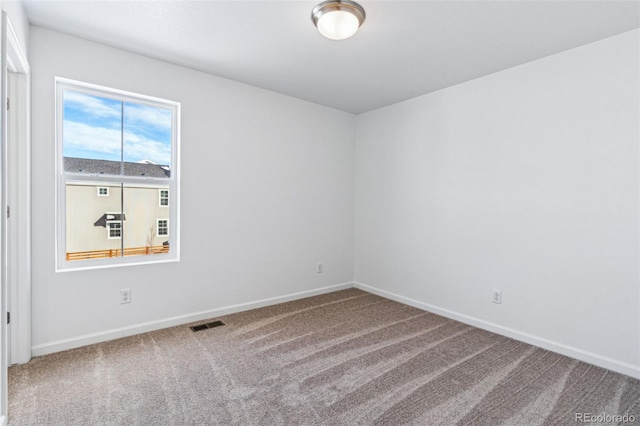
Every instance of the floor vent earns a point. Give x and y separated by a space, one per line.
207 325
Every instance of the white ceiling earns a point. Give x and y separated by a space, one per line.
404 49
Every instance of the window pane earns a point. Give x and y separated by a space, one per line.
91 129
141 235
164 197
147 137
95 129
163 228
97 227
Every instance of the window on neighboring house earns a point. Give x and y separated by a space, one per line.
163 227
114 230
164 197
126 146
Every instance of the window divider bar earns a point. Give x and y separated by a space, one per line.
121 174
122 219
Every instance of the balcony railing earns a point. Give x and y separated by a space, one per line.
131 251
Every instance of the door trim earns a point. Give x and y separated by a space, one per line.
19 144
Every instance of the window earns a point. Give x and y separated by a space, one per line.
164 197
163 227
114 230
126 146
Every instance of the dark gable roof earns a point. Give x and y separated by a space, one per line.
106 167
107 217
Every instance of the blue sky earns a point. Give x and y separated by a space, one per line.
92 128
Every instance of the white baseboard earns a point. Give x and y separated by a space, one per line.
589 357
89 339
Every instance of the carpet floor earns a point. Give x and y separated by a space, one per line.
344 358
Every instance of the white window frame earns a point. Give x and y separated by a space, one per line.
114 222
160 197
62 177
106 194
158 234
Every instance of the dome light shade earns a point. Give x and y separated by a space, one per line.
338 19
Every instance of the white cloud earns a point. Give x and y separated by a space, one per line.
92 105
104 143
79 136
147 116
137 148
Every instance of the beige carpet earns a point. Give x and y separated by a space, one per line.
343 358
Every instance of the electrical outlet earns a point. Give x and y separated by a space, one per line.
125 295
496 296
319 268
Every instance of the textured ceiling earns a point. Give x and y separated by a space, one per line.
404 49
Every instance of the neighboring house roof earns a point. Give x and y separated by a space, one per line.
108 217
106 167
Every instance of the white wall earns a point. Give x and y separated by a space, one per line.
267 193
19 22
527 181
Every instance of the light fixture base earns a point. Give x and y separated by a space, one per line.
338 19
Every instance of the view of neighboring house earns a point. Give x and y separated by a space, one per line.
104 217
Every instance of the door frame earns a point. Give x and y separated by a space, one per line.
19 144
15 192
4 246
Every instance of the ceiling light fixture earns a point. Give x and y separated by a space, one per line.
338 19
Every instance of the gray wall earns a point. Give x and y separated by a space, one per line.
525 181
267 194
